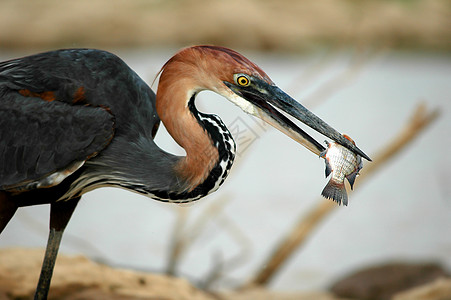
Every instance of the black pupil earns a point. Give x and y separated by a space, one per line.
243 80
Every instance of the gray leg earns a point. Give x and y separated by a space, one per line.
60 213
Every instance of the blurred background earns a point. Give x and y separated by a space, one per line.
363 66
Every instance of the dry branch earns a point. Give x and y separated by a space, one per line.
418 122
184 236
177 244
223 265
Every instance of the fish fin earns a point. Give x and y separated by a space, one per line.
335 191
351 178
323 153
328 167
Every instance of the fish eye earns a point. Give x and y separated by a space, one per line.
242 80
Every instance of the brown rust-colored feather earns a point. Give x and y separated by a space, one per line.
172 97
46 96
188 72
79 96
201 155
213 64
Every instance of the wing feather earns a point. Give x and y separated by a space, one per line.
39 138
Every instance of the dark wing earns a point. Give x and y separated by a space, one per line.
47 128
69 76
39 138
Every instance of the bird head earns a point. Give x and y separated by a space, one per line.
233 76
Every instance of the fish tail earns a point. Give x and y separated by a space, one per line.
336 191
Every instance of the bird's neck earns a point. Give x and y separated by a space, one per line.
184 125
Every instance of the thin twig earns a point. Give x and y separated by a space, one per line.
358 60
418 122
184 236
355 66
223 265
311 73
177 245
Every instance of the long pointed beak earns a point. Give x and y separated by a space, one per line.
267 98
281 100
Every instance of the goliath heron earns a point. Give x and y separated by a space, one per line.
75 120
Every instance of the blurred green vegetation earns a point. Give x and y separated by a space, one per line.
286 25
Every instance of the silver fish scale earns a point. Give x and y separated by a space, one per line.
342 161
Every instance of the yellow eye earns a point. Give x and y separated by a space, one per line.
243 80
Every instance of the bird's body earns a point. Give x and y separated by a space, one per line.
78 119
94 98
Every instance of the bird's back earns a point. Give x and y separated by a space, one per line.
61 109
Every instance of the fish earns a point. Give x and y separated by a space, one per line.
342 163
